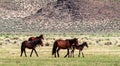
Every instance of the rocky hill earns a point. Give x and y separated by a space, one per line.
60 15
77 10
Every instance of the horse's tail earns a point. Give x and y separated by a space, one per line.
54 47
22 46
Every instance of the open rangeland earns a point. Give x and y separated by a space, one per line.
102 51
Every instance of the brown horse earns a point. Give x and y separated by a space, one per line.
63 44
31 45
80 48
32 38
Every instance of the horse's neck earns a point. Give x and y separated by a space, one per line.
36 41
41 37
71 42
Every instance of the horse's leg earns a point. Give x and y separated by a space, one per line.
55 55
31 53
21 52
79 53
58 51
72 53
82 54
36 52
22 49
67 53
25 53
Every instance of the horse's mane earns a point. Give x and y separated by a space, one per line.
83 44
71 41
37 41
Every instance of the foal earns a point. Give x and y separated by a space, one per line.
80 48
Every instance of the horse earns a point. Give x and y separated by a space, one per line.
32 38
63 44
31 45
80 48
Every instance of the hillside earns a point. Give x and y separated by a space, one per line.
77 10
60 15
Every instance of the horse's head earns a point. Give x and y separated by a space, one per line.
41 36
39 39
41 43
85 44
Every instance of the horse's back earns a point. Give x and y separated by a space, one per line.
63 44
31 38
79 47
24 42
27 44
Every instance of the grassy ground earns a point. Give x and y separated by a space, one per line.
95 55
94 60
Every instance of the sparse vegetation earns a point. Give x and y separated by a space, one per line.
56 16
95 21
98 53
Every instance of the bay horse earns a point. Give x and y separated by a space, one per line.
80 48
63 44
31 45
32 38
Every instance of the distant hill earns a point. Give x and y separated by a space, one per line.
60 15
77 10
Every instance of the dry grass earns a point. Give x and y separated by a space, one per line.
95 55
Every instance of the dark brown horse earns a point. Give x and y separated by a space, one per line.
32 38
80 48
63 44
31 45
